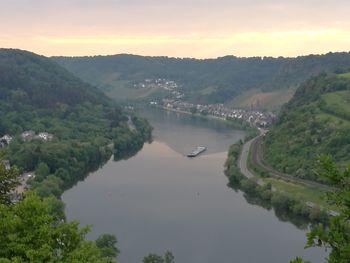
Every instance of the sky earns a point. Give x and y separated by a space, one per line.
177 28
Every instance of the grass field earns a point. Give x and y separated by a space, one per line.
338 101
208 90
272 100
314 195
345 75
302 192
125 93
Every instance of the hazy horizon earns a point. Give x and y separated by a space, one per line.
193 28
175 57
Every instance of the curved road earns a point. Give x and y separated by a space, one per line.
256 147
243 158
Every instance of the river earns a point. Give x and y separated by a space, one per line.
161 200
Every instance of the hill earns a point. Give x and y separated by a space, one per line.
316 121
205 80
78 123
37 81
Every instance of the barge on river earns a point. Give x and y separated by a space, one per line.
197 151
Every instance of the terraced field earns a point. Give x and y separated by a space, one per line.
272 100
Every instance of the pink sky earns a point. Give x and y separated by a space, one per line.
192 28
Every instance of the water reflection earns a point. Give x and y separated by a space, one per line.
160 200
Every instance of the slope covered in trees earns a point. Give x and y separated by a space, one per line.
30 233
207 80
41 96
37 95
316 121
35 80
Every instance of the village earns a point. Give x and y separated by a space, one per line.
24 177
255 118
174 101
26 136
170 86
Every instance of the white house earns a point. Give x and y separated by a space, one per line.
45 136
6 138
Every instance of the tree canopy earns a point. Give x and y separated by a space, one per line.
29 233
316 121
336 236
8 182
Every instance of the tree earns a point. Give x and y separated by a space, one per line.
29 233
42 170
154 258
299 260
336 236
107 244
8 182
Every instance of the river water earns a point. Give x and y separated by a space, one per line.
161 200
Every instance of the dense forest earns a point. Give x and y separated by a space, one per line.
40 96
205 80
316 121
85 128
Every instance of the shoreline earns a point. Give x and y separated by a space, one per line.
237 124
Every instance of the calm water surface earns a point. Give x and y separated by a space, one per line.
161 200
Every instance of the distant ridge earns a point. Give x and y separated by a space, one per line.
203 80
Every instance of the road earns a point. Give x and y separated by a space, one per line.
257 153
257 159
243 159
256 146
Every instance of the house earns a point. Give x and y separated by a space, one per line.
28 135
45 136
5 140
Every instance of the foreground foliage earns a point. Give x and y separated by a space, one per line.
29 233
336 236
8 181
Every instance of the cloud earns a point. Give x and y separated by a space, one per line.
200 27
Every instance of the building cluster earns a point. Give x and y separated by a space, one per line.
23 178
253 117
31 135
169 86
26 136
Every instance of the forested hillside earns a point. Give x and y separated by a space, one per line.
206 80
58 128
35 80
38 95
316 121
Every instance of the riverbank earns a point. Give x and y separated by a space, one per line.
266 193
62 163
312 193
234 123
